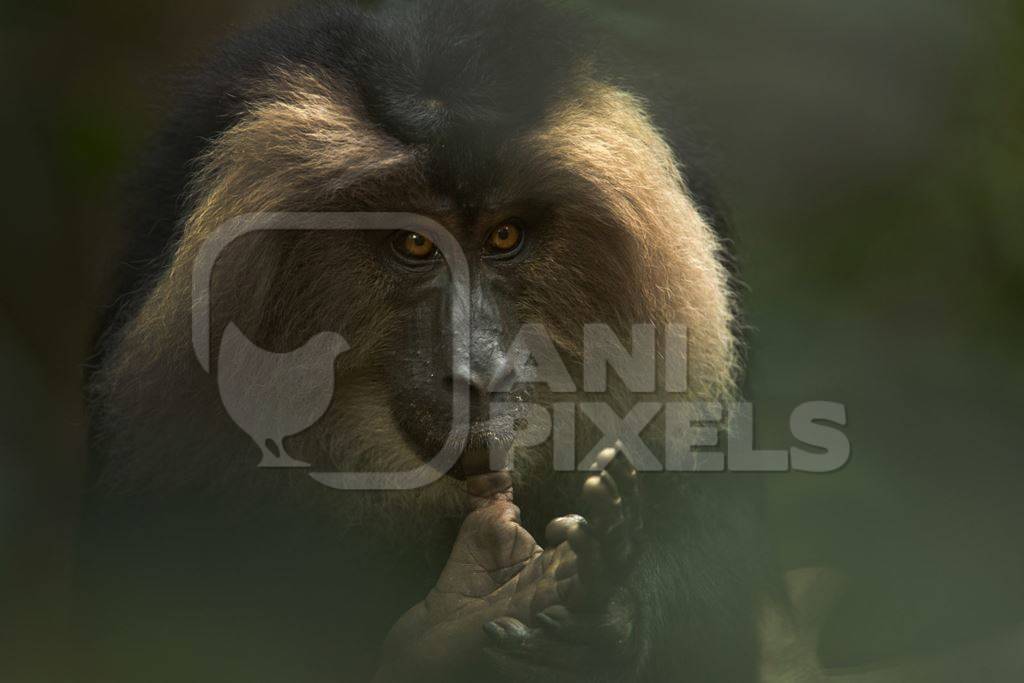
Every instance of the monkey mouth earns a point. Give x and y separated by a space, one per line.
475 444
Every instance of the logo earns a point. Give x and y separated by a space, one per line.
271 396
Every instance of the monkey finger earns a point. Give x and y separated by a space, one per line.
507 632
511 638
615 462
591 574
556 620
627 481
599 558
563 624
557 530
548 586
579 596
603 504
610 527
601 501
581 540
605 457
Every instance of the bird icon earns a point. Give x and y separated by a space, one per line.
275 395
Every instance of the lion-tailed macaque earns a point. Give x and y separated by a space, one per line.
497 122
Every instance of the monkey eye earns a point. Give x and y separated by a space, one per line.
505 239
414 246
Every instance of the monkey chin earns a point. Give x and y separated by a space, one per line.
481 447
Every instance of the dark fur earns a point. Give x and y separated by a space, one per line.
520 56
450 76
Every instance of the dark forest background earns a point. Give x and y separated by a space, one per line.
871 158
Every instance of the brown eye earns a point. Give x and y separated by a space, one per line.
414 245
504 238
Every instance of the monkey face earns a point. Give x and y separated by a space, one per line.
530 268
580 219
402 330
429 374
511 287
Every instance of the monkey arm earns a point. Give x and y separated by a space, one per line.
675 607
594 631
623 594
495 568
504 607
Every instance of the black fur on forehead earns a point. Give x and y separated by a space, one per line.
461 76
427 70
454 77
451 76
460 64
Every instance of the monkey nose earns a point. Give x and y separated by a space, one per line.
473 384
480 384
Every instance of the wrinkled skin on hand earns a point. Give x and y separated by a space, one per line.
504 604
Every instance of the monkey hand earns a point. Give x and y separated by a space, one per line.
580 619
502 601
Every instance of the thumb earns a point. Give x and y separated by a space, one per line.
488 488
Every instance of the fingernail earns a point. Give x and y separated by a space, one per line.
547 621
494 630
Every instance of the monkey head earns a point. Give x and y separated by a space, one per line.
568 206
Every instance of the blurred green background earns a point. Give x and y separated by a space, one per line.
871 157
